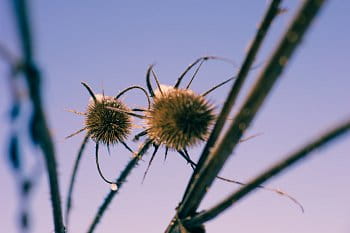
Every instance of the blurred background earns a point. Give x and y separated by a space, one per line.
109 45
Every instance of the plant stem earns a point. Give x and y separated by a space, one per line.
72 180
290 160
121 179
266 80
38 128
270 15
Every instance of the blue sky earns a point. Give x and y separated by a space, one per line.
109 45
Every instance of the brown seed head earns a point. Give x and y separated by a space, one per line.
179 118
105 125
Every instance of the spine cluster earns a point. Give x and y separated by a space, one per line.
179 118
106 125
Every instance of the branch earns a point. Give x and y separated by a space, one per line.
222 150
270 15
125 173
38 126
290 160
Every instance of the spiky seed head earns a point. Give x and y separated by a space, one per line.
106 125
179 118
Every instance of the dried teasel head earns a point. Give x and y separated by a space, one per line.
107 121
179 118
104 124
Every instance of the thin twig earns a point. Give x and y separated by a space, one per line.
39 128
270 15
290 160
121 179
72 180
186 156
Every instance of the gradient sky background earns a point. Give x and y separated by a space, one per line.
109 45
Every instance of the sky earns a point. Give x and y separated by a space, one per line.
109 45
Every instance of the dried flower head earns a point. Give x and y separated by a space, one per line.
106 125
108 122
179 118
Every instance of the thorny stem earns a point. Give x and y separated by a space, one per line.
39 129
290 160
270 15
205 175
121 179
72 180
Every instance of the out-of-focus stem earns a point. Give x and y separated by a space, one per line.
38 128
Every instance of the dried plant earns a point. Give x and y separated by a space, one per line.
107 121
176 118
